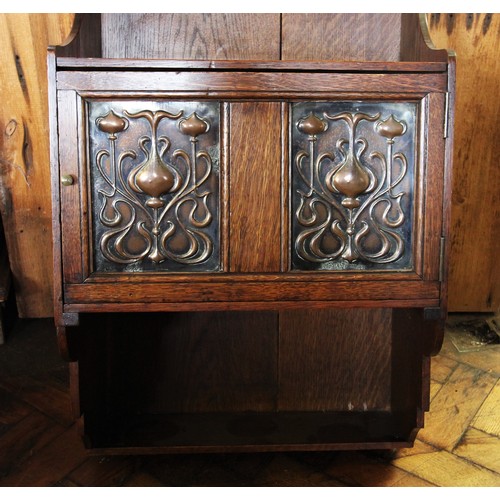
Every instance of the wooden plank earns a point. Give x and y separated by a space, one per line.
267 83
486 418
237 292
200 362
243 306
142 479
434 160
419 449
474 278
24 440
315 66
441 368
342 356
341 37
99 471
444 469
435 387
24 153
71 225
191 36
454 407
480 448
12 409
42 395
255 187
286 471
356 469
51 464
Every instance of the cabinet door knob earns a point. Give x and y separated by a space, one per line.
67 180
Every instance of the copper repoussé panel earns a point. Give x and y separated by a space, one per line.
154 174
353 172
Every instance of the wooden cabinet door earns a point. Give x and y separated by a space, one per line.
288 195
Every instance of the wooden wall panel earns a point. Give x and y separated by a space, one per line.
335 360
191 36
24 153
199 362
474 278
255 187
341 37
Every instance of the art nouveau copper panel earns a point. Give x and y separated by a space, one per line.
353 178
154 175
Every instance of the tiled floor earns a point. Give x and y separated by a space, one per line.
39 446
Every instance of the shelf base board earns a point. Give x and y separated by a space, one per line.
248 432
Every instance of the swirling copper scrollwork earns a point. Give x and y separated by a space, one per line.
154 208
348 200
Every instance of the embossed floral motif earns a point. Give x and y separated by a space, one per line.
154 208
339 206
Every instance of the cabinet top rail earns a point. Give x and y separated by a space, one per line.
240 65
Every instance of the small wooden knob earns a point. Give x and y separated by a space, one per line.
67 180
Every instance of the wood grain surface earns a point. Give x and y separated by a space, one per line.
448 470
24 153
335 360
255 187
455 406
191 36
474 278
341 37
71 227
433 227
235 292
481 448
235 84
199 362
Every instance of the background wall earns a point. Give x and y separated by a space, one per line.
24 153
24 147
474 281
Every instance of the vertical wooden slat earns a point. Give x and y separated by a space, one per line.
24 153
434 186
71 230
474 277
255 187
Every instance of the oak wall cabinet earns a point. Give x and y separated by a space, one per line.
250 255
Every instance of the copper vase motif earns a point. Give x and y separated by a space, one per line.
352 194
157 190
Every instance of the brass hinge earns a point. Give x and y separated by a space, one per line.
446 114
441 258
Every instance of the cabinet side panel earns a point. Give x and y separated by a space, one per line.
341 37
255 187
335 360
191 36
